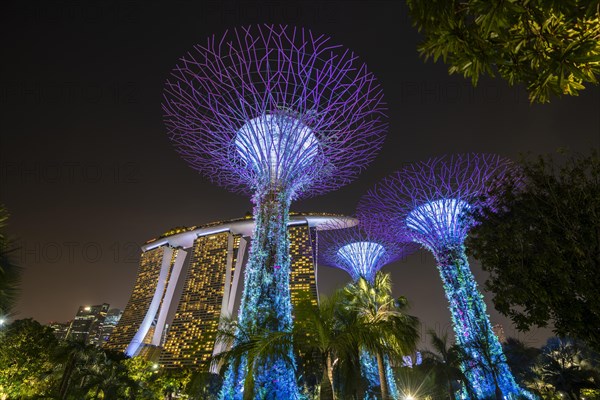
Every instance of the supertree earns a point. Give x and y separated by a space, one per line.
279 113
362 250
432 203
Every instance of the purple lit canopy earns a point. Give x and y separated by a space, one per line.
427 201
273 105
361 250
280 113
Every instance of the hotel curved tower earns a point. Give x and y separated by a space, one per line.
212 282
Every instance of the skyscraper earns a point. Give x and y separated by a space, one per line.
145 315
107 327
60 329
211 287
87 320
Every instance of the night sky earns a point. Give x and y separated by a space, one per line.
88 173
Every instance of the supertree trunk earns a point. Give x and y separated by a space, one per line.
266 303
266 297
485 364
370 370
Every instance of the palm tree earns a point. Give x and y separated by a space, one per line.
171 382
203 386
487 360
567 366
254 348
74 355
9 272
445 363
325 333
361 316
386 330
106 376
520 358
328 331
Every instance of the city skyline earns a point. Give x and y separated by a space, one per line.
88 174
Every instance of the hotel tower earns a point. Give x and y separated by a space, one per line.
212 287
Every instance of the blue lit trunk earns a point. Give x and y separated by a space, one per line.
370 372
485 367
391 379
266 303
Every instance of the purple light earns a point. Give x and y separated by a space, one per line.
361 250
279 113
275 100
363 256
439 219
264 143
427 202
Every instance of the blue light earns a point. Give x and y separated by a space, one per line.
440 220
370 372
266 302
440 225
277 144
391 379
361 259
486 363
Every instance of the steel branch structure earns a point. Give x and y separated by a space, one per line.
275 105
279 113
428 202
362 250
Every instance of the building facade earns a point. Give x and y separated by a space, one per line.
108 326
60 329
145 314
207 295
211 289
87 322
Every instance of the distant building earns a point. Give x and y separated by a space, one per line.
211 288
60 329
107 326
86 323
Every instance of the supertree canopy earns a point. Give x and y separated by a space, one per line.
430 203
362 250
279 113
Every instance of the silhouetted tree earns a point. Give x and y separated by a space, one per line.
541 246
10 272
552 47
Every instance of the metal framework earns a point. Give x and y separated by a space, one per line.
362 250
429 203
279 113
